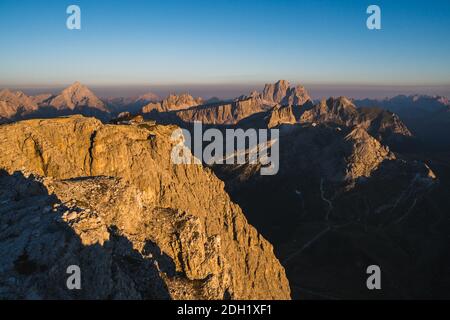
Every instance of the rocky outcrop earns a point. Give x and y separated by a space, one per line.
173 102
108 198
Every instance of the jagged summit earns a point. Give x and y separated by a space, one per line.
282 93
232 112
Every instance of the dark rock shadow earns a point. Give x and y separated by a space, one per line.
392 219
37 246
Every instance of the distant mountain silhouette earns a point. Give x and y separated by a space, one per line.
428 117
130 104
75 99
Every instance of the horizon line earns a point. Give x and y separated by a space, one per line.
215 84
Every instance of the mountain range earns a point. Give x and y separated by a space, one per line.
358 185
428 117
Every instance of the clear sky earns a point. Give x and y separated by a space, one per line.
224 41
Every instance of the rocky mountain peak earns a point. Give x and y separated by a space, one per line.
282 93
75 96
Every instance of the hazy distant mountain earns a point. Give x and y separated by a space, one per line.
232 112
344 196
213 100
428 117
412 104
76 96
73 190
173 102
281 104
13 104
75 99
130 104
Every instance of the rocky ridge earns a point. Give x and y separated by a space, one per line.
173 102
107 197
382 124
75 99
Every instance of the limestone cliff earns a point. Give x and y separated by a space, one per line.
108 198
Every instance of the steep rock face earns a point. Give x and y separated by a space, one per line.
229 113
173 102
204 238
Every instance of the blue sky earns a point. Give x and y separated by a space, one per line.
214 42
